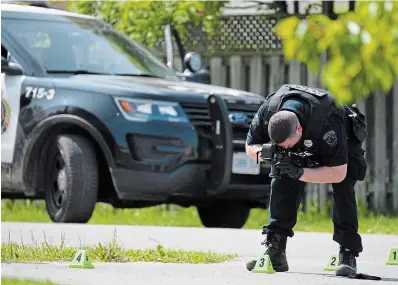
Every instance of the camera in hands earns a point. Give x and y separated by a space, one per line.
272 154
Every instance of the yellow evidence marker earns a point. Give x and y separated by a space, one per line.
332 263
264 265
81 260
393 256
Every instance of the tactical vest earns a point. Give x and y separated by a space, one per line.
322 106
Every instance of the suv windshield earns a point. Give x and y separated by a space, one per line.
81 45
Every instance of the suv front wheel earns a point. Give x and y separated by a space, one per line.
71 182
224 214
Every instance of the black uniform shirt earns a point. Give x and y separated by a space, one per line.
334 147
333 150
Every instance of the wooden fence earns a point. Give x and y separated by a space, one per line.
262 74
248 56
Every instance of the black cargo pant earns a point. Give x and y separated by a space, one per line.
287 193
285 200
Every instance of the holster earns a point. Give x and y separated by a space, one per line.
357 165
356 123
356 132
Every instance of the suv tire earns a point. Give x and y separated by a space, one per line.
224 214
71 182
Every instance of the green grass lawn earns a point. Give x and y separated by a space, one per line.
19 281
109 252
311 220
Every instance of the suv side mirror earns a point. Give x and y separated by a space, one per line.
193 69
193 61
201 76
10 68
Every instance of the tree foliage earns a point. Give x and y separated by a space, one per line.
143 21
361 48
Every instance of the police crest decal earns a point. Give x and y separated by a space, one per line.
5 113
330 138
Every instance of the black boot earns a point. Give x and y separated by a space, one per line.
347 262
276 249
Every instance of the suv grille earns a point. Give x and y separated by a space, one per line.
200 117
249 110
199 113
239 131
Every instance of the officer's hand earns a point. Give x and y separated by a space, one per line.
290 168
360 115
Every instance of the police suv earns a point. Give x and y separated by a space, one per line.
88 115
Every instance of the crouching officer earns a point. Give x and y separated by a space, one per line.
307 120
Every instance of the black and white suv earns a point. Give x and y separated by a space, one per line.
88 115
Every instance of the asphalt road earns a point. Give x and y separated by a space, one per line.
307 255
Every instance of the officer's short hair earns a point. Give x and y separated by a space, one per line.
281 126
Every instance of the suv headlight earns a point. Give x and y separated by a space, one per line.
143 110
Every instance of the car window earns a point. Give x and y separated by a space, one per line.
84 44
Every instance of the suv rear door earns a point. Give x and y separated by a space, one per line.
11 83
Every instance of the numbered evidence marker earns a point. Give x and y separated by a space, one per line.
81 260
393 256
263 265
332 263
